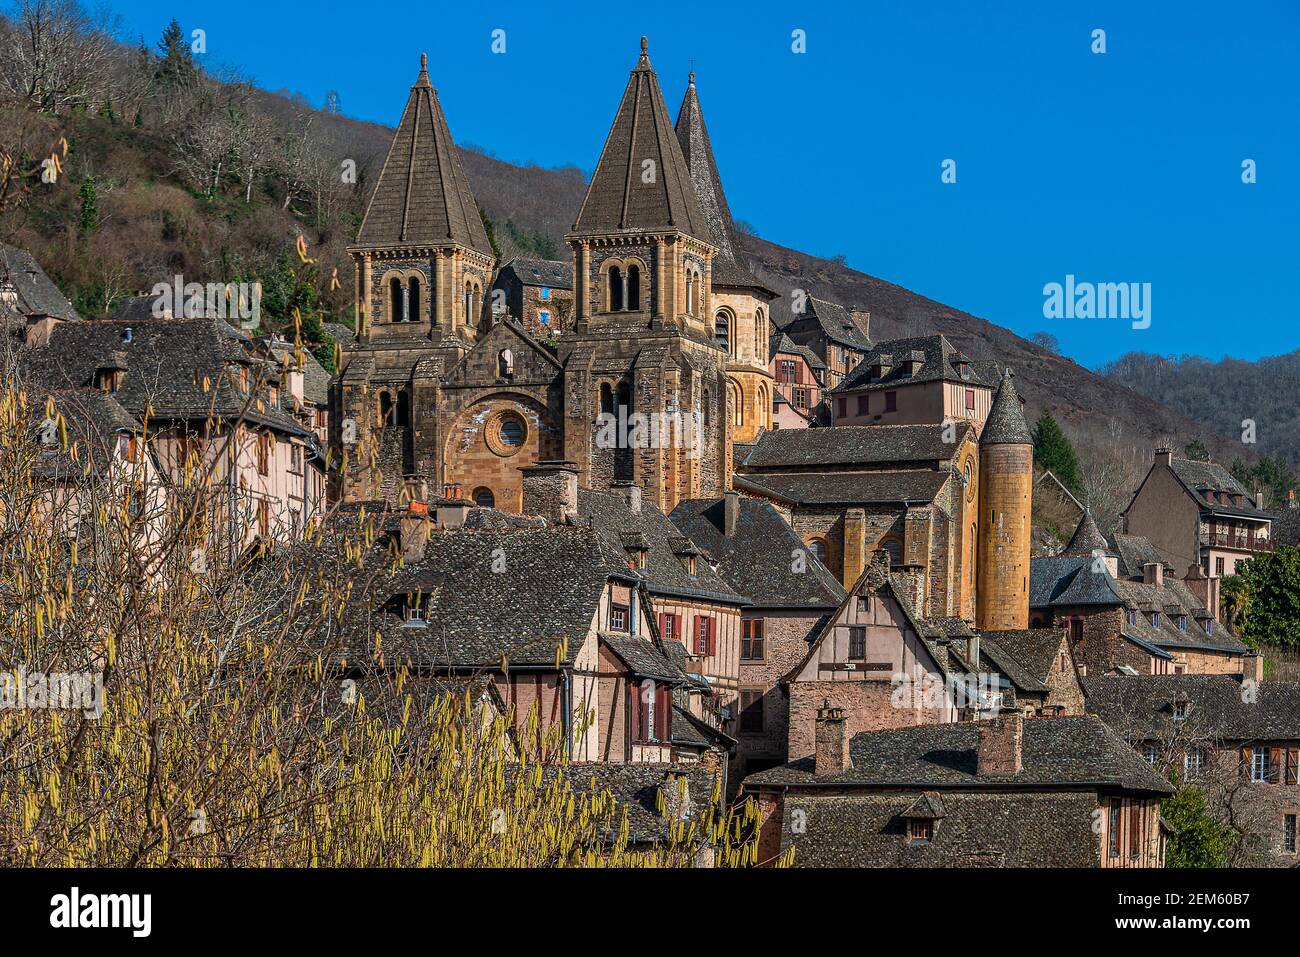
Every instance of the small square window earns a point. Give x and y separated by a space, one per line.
920 830
544 316
546 293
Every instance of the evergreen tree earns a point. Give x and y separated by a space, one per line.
1271 584
89 206
1053 450
1196 451
176 65
1199 840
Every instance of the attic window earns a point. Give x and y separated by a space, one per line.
1133 617
688 562
1182 622
1180 710
920 830
1209 626
1155 619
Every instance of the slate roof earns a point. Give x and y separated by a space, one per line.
618 197
1056 753
1006 423
1219 707
976 830
861 445
550 273
1200 477
1087 537
166 362
37 294
1065 580
423 196
729 268
341 333
941 361
94 420
315 380
664 573
838 488
1030 651
780 342
834 321
756 559
549 592
1174 599
636 787
1286 525
1134 553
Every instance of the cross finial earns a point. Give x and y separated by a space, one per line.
424 61
645 45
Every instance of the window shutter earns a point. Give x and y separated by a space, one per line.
1293 766
663 717
677 630
635 690
1275 766
662 621
1247 757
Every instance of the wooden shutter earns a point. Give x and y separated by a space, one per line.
663 713
677 629
1275 759
1293 766
635 691
1247 761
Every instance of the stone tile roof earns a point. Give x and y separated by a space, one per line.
1006 423
862 445
1174 599
167 362
1286 525
975 830
94 420
550 273
1134 553
835 322
37 294
636 787
1200 477
547 596
1087 538
941 361
839 488
1219 707
664 573
618 197
783 343
729 268
1057 752
315 380
1033 650
1065 580
423 196
338 331
756 560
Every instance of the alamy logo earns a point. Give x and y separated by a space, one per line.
215 300
657 430
1100 300
103 910
56 691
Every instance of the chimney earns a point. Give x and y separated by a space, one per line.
414 532
1164 456
1153 573
730 511
631 493
832 744
862 319
676 789
1259 497
453 508
1000 747
551 490
973 650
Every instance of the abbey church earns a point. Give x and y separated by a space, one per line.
441 390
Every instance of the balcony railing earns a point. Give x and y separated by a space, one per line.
1243 542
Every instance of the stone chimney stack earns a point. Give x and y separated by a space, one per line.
832 742
1260 495
1164 455
730 511
1000 747
551 491
1153 573
631 493
414 532
862 319
453 508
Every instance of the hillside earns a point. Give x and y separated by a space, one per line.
1224 394
215 179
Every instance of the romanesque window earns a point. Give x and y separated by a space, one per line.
396 300
760 334
413 300
505 364
484 498
722 332
606 399
818 548
763 405
734 399
615 283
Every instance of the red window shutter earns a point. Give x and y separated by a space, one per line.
634 689
663 619
663 716
677 629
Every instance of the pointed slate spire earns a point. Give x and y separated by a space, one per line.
729 267
641 181
1006 422
1087 538
423 196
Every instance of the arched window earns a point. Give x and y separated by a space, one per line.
760 334
484 498
469 303
387 409
736 403
505 364
413 300
633 288
817 547
690 292
764 407
722 332
396 301
606 398
615 289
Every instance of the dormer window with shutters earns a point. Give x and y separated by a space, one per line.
651 709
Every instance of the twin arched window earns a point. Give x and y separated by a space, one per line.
623 284
694 289
473 302
404 299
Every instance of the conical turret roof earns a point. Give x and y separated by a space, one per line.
729 267
1087 538
423 196
642 181
1006 422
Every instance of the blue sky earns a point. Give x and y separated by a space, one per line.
1117 167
